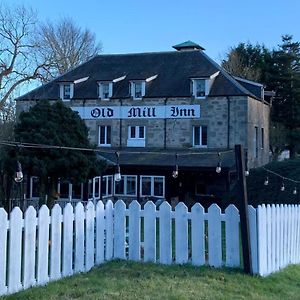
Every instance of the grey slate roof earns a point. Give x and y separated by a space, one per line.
173 69
166 158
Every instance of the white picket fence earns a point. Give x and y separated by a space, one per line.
46 247
278 237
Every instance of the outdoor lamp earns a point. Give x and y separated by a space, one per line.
19 173
175 171
218 168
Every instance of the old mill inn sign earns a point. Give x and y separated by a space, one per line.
139 112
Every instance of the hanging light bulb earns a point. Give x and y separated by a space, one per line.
19 173
218 168
295 191
118 175
282 187
246 173
266 181
175 171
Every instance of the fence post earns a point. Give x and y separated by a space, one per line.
243 207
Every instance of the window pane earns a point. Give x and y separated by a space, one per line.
109 189
103 186
200 87
102 135
67 91
76 191
132 132
204 136
119 189
141 132
138 90
35 187
146 186
90 188
196 136
64 189
105 90
158 186
131 185
97 187
108 135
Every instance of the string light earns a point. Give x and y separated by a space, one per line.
117 175
295 191
19 173
282 187
266 181
175 171
218 168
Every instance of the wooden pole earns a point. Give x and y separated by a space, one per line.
243 208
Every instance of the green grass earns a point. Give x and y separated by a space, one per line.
128 280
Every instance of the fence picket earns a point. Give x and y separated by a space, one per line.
269 238
43 245
120 222
253 238
100 227
181 231
67 257
15 250
79 238
89 235
109 228
134 231
29 247
3 254
214 236
281 218
149 232
232 228
55 246
262 240
273 237
165 241
278 237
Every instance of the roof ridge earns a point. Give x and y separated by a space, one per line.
145 53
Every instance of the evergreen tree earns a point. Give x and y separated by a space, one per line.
285 81
55 124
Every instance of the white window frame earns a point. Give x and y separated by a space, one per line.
31 187
105 136
97 178
62 88
101 91
200 137
106 177
133 88
136 141
152 186
125 177
194 89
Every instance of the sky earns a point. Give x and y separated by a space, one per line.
130 26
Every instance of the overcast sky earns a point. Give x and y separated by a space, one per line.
125 26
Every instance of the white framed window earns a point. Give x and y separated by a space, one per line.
137 89
105 90
127 186
136 136
200 136
104 136
64 189
95 187
199 88
77 191
66 91
153 186
107 186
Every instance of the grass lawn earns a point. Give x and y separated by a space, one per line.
128 280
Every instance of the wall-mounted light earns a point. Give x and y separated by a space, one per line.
218 168
175 171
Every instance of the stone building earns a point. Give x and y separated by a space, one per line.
161 111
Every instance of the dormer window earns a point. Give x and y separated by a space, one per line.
105 90
199 88
66 91
137 89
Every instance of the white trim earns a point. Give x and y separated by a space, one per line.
94 187
105 136
31 187
151 78
119 79
81 80
152 185
248 81
61 90
206 87
106 179
136 141
101 92
125 178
